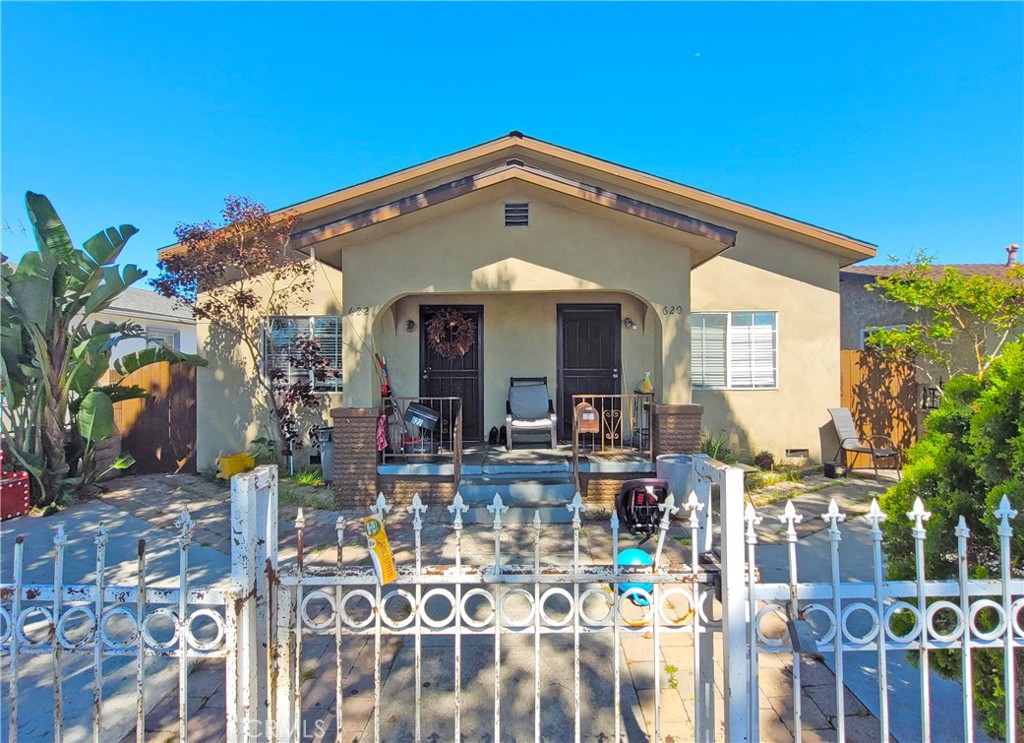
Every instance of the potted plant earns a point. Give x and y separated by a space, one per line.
764 459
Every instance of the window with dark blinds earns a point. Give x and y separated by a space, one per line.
282 335
734 350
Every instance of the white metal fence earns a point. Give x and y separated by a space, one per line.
274 607
943 615
104 621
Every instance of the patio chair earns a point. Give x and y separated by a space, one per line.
850 440
529 411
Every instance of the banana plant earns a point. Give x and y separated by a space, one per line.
53 353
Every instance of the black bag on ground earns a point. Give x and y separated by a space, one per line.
637 505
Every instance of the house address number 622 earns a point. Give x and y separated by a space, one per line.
354 310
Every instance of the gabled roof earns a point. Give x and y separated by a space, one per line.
143 303
394 194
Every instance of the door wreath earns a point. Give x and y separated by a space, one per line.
451 333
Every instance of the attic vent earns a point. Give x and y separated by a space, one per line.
517 214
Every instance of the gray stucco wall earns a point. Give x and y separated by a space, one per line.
861 308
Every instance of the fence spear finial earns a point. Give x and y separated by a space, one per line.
101 535
416 509
1004 513
918 515
790 518
381 507
875 516
753 520
961 530
693 505
576 506
60 537
833 517
497 507
458 508
185 525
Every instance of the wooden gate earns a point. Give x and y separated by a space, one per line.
160 430
882 396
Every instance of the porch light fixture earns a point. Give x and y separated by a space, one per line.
410 326
630 325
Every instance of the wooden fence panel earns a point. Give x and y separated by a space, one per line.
882 396
160 430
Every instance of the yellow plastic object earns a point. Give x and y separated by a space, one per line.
232 464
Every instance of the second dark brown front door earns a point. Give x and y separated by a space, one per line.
589 356
459 377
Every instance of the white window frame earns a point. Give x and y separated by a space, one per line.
728 314
869 329
268 322
155 334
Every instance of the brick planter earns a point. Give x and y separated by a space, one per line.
676 428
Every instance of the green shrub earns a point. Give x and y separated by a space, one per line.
972 455
309 476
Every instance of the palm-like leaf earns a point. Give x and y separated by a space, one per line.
135 361
104 247
51 235
96 416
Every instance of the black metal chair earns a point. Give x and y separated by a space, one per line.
851 440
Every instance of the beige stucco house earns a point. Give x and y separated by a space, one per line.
576 269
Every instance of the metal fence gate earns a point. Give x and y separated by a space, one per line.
280 603
466 600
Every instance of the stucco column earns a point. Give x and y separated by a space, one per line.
358 375
671 305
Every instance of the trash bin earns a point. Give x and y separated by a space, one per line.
677 470
325 437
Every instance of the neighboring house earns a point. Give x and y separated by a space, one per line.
159 317
574 268
888 400
864 311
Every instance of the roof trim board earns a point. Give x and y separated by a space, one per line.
724 236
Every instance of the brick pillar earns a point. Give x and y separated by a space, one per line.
677 428
355 455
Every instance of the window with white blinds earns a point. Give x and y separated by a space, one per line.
282 335
734 350
708 351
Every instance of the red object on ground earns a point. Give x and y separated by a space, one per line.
13 495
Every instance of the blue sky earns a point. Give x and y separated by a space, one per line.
900 124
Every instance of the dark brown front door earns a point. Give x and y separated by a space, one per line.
459 377
589 356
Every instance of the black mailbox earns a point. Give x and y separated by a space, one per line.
422 416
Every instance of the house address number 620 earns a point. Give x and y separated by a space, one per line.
672 309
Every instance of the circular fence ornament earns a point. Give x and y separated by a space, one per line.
451 333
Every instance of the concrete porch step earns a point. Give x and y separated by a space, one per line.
516 492
513 469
